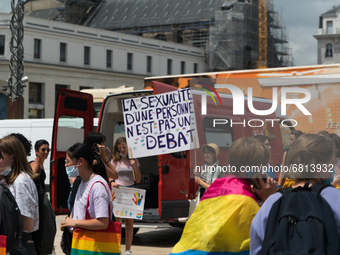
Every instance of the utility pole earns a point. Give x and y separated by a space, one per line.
16 82
15 87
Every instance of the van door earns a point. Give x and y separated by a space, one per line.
79 107
165 177
173 186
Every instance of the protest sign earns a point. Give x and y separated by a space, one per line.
128 202
160 124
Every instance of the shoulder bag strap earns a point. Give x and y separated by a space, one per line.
87 215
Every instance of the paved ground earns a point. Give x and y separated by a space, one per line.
146 242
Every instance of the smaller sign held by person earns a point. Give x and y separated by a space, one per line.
128 202
160 124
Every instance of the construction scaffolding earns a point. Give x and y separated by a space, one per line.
227 29
77 11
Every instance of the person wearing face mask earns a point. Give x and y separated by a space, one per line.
80 160
128 172
17 175
41 151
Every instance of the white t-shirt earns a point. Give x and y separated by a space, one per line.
100 199
26 195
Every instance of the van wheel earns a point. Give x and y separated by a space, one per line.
135 230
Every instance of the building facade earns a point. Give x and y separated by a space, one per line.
228 30
63 55
328 37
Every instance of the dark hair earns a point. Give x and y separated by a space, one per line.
80 150
262 138
39 143
26 143
92 138
323 133
336 140
308 150
296 133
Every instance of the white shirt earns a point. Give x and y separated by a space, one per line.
100 200
25 193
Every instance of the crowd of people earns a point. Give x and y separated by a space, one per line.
252 213
243 213
89 168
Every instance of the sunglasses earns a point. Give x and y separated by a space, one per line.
44 149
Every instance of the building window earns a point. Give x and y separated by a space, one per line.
87 55
329 27
129 61
195 68
149 64
182 67
37 48
62 52
109 58
35 92
329 50
2 45
35 108
169 66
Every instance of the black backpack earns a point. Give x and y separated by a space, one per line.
44 237
11 224
301 222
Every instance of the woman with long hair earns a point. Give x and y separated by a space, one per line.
41 151
221 222
310 151
96 141
80 160
128 172
16 173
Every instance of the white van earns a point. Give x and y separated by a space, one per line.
36 129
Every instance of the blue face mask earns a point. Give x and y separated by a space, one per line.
123 155
7 170
72 171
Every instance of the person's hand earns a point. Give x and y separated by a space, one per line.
102 152
114 185
67 223
198 180
132 162
266 188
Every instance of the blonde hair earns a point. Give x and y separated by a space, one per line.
115 154
13 147
248 152
307 150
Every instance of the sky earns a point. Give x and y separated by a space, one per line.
301 18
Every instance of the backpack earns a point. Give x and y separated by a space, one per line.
44 237
11 224
301 222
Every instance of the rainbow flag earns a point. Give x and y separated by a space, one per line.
3 243
91 242
220 225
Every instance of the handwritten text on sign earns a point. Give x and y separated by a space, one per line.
128 202
160 124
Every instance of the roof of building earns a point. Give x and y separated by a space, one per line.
333 11
51 13
118 14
